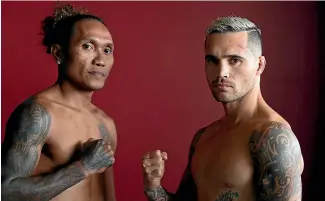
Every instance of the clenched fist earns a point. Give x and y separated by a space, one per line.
153 167
96 156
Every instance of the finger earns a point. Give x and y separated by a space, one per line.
157 173
107 147
107 142
150 169
164 156
89 142
152 161
155 153
146 155
110 153
90 139
110 161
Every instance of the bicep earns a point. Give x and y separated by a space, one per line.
26 132
187 187
278 163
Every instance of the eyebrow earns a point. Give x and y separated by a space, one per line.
224 56
93 40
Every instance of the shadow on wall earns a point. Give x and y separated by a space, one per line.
314 188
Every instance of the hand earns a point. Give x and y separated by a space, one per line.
96 156
153 167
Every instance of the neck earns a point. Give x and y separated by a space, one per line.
73 96
243 108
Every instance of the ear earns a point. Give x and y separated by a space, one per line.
261 65
57 53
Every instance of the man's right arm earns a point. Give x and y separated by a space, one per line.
187 187
25 136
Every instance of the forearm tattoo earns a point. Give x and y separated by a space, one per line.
158 194
26 131
95 156
278 163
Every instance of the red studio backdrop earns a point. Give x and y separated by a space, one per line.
157 93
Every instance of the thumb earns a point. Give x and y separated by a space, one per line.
90 139
164 156
88 142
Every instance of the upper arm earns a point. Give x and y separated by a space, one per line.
187 187
278 163
26 132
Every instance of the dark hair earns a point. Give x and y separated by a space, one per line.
57 29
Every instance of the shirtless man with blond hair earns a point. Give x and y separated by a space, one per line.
251 153
58 145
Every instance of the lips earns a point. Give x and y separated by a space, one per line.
97 73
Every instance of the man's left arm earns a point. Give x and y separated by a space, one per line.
108 132
278 163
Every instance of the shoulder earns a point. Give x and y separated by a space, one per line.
107 120
274 142
271 130
201 131
30 112
29 120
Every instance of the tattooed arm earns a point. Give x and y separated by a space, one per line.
26 133
278 163
187 188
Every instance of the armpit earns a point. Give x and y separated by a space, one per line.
278 162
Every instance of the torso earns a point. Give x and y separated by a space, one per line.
69 129
222 166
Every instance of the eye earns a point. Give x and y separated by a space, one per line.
235 61
87 46
108 50
210 59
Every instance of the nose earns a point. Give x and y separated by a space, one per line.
99 60
223 70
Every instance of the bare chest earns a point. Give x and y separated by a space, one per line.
69 133
222 161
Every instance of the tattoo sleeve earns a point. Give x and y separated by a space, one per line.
278 163
26 132
187 187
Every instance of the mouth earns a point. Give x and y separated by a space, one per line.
221 85
97 73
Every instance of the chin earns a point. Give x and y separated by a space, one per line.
224 98
95 86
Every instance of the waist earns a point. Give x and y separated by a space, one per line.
89 189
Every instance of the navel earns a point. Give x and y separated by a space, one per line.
229 185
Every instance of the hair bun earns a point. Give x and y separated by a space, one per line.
66 11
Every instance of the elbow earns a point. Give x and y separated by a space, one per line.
12 190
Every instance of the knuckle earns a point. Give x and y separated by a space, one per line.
147 171
159 160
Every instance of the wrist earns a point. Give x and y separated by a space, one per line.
78 164
149 186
